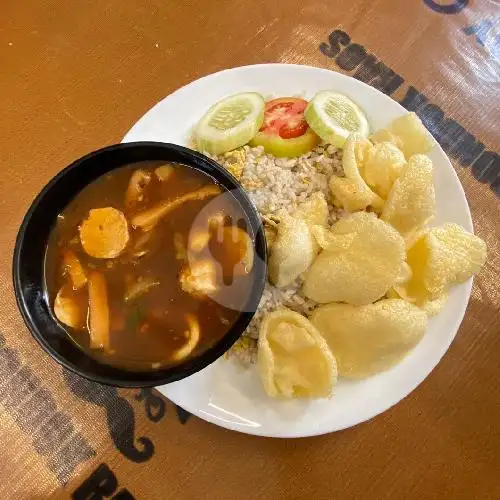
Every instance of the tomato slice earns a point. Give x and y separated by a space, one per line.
284 117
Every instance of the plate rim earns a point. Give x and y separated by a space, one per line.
464 299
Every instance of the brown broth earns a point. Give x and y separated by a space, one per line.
145 331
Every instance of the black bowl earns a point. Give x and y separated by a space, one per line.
29 254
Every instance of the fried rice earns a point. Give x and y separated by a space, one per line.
280 184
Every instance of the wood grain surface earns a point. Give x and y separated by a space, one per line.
75 76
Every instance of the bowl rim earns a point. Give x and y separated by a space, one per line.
150 378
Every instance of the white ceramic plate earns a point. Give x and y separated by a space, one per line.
230 396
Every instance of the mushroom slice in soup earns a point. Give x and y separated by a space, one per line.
67 309
140 246
145 243
199 278
164 172
193 337
136 191
74 268
198 240
140 287
149 218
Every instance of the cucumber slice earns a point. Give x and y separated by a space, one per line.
334 117
230 123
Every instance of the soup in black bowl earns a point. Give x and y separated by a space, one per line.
139 264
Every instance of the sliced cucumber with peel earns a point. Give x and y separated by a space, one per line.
230 123
334 117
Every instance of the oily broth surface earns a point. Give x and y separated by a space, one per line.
145 332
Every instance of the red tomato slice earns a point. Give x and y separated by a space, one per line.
285 117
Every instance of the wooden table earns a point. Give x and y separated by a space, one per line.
76 75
